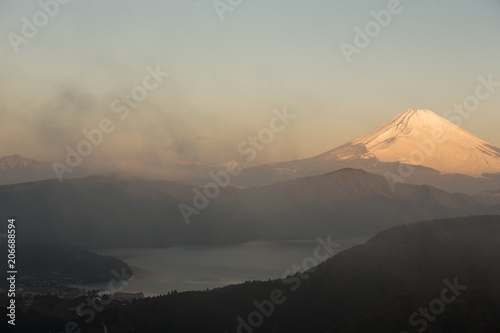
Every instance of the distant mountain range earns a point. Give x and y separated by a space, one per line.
415 147
111 211
16 169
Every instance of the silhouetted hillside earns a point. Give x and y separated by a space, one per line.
111 211
374 287
61 262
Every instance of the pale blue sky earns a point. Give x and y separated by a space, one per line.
226 77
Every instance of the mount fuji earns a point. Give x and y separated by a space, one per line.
422 137
416 146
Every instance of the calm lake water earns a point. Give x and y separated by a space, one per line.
159 271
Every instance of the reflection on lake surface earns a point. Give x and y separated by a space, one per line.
159 271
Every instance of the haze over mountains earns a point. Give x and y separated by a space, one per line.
230 166
17 169
440 153
416 147
112 211
343 192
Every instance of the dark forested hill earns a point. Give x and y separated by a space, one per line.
62 263
111 211
434 276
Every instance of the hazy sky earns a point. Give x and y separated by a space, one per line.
226 77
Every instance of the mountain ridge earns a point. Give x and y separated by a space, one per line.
436 151
428 148
138 212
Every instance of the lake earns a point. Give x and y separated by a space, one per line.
161 270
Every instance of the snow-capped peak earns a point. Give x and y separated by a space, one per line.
421 137
15 161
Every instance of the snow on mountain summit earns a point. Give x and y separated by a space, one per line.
421 137
15 161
